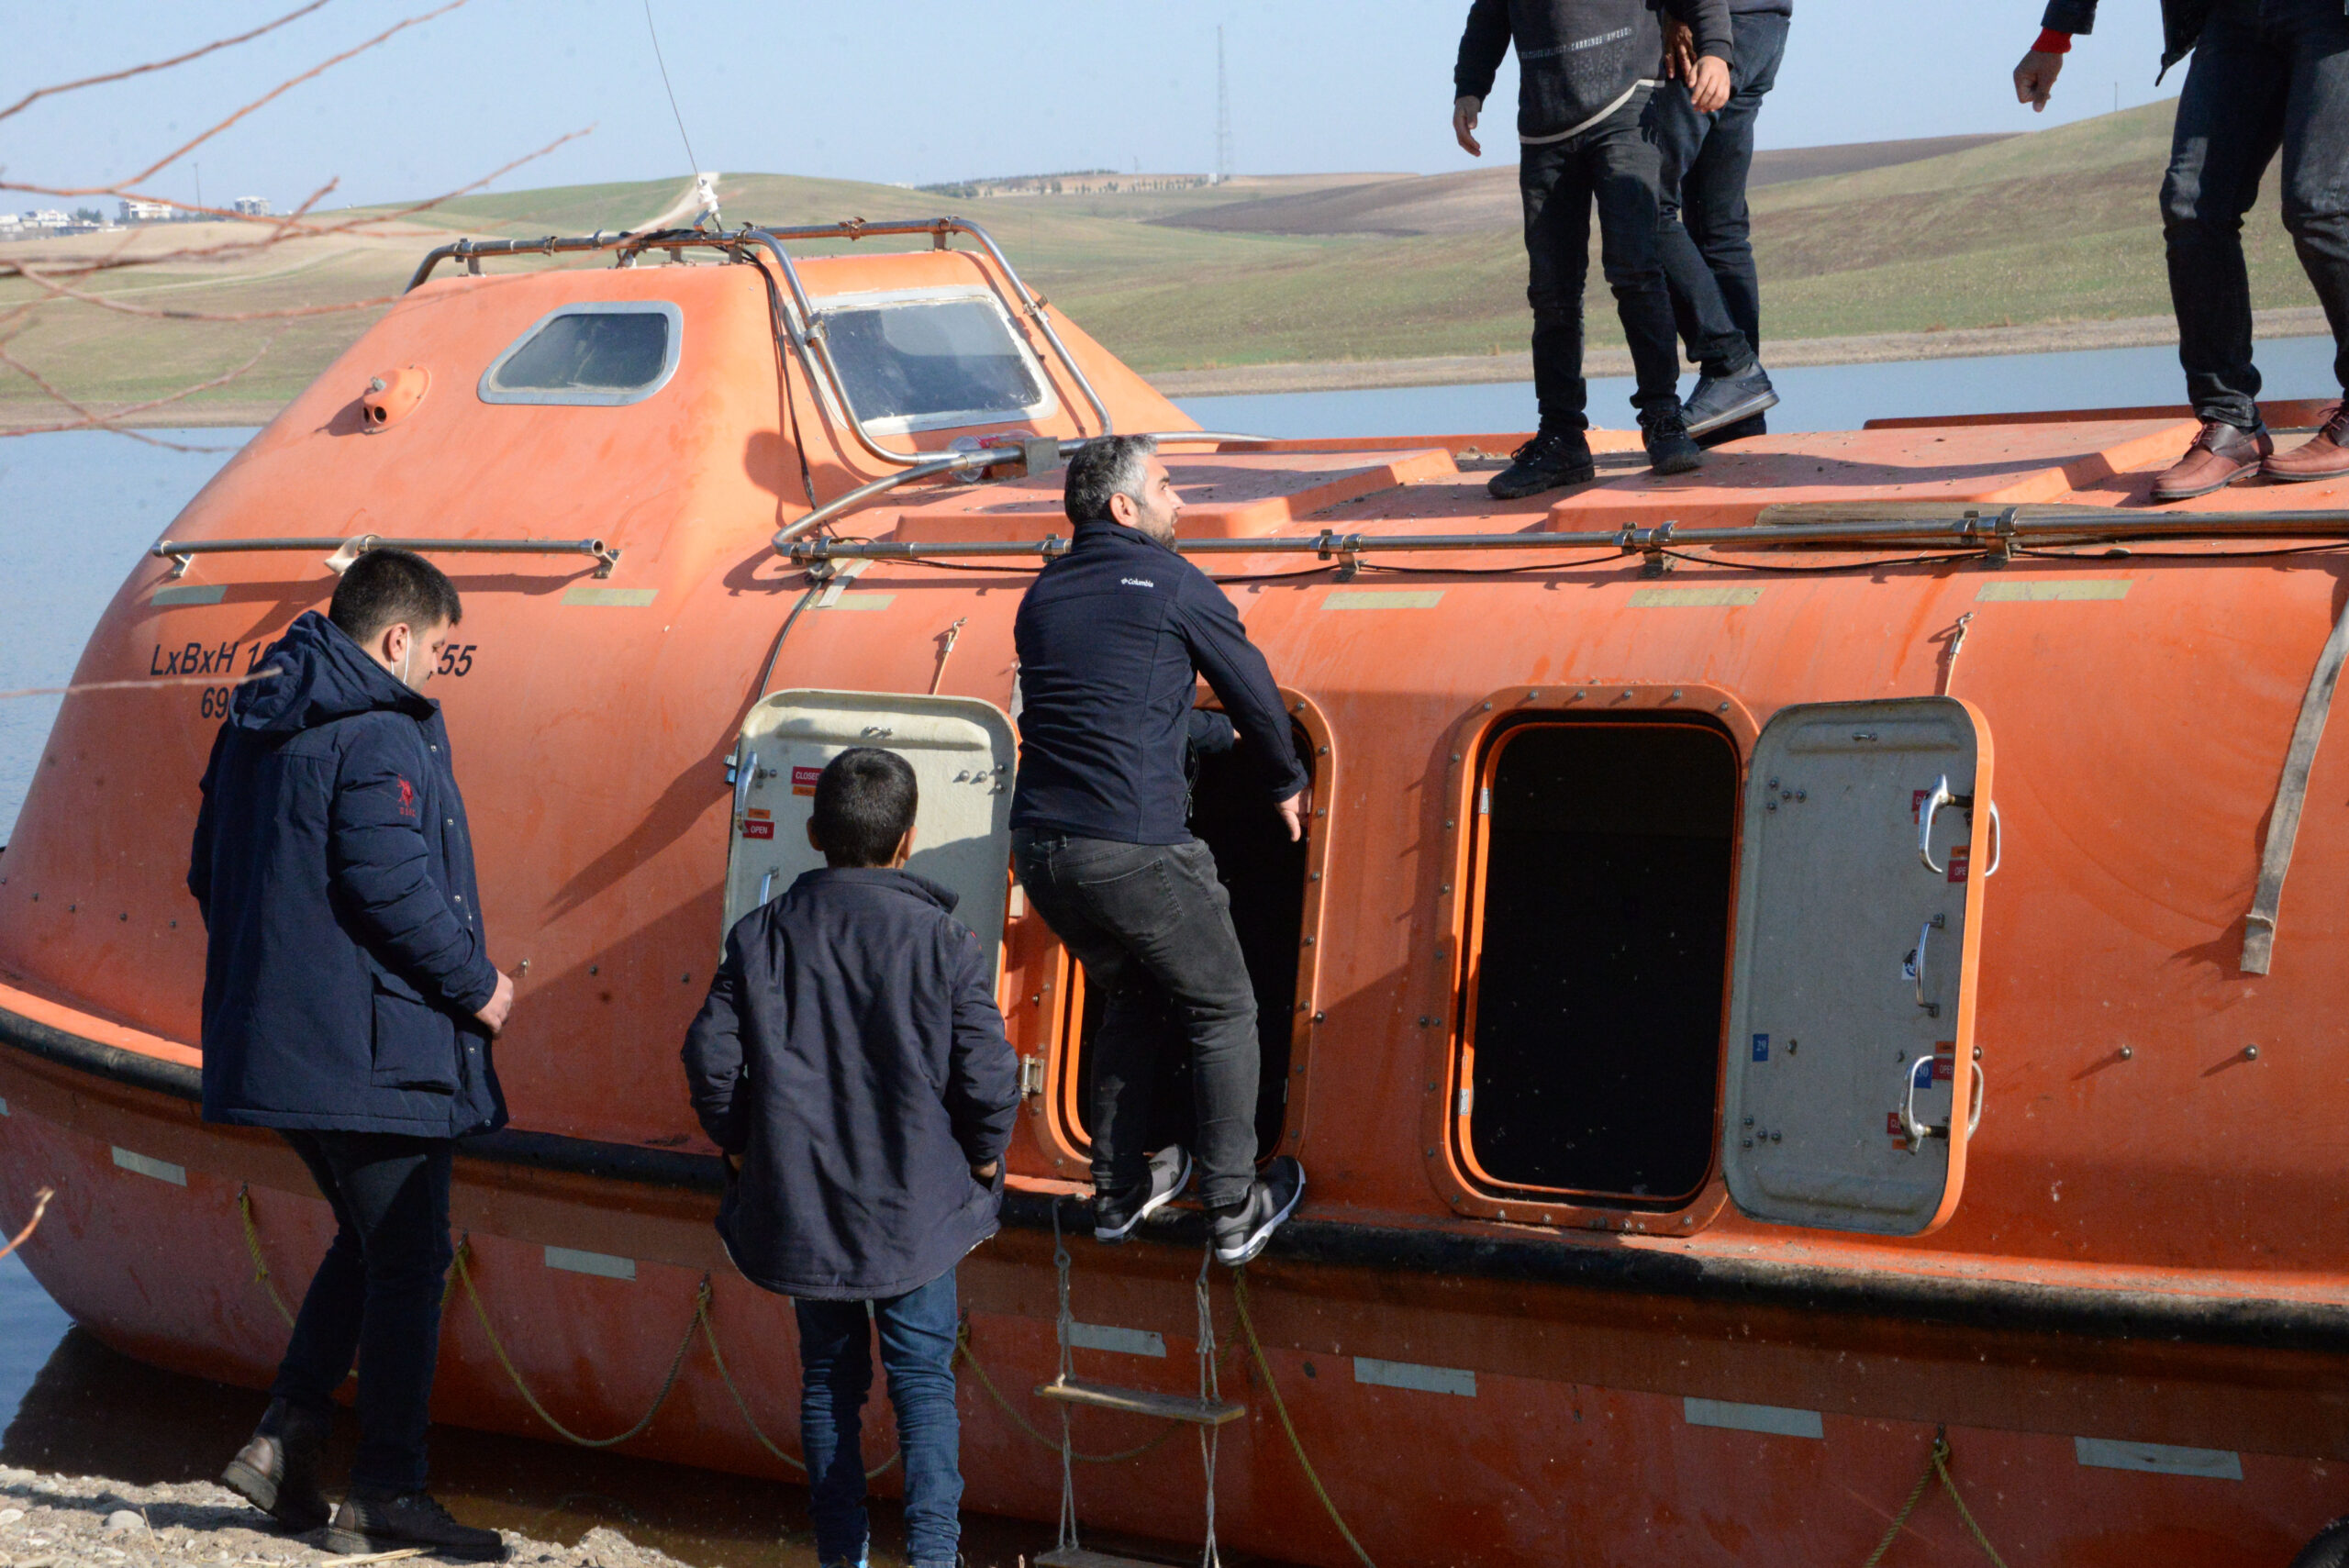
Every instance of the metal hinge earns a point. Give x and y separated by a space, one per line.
1031 1076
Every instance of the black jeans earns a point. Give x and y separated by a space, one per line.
1615 163
1153 927
1703 233
2256 86
376 1294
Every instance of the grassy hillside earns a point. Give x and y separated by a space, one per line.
2057 225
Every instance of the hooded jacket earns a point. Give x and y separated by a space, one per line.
335 874
1578 61
851 1054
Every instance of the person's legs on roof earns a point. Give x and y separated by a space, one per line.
2316 206
1554 189
1623 171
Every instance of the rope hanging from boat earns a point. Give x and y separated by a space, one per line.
2291 794
253 1245
1068 1321
1280 1408
1211 1394
1936 1463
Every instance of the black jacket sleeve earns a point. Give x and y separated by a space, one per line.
1211 733
199 856
1238 673
1481 45
2070 15
381 869
982 1075
716 1063
1707 20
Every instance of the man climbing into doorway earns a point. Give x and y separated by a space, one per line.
1112 638
2267 75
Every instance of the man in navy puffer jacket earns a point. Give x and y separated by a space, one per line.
349 1001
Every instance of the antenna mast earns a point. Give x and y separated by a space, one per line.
1223 115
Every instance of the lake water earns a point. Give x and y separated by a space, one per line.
77 509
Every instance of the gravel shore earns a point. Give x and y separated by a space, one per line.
87 1521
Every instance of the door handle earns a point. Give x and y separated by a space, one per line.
1936 798
1915 967
1997 842
744 772
1917 1131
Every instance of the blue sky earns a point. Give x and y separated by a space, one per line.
912 91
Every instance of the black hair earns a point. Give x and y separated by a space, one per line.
1103 467
384 587
864 804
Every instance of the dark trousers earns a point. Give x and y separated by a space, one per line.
2254 86
836 1373
1703 233
376 1294
1614 164
1153 927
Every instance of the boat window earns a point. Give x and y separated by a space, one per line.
600 355
1232 813
1594 1025
923 364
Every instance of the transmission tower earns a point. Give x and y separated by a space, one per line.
1223 115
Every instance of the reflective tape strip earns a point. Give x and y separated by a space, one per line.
858 602
1410 1375
1382 599
161 1170
1665 598
2161 1459
4 1108
2051 592
1125 1342
189 593
602 1263
587 594
1776 1420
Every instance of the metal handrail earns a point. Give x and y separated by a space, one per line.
975 460
807 330
180 551
1998 531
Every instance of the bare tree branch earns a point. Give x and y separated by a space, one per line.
29 99
40 1207
92 419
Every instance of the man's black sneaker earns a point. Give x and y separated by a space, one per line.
1242 1230
1666 437
1757 425
277 1470
1551 459
374 1521
1727 400
1115 1219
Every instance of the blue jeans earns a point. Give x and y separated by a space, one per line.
2258 84
1704 234
836 1373
376 1296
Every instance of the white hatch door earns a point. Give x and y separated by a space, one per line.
1852 993
963 755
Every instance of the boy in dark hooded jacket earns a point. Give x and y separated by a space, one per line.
349 1001
1586 71
851 1063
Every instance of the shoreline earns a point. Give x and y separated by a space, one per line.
17 415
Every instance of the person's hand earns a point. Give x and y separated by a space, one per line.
984 1175
2035 78
1708 84
1679 49
1293 812
501 1002
734 1164
1463 124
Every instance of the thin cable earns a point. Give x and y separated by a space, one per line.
1839 566
2111 554
693 165
1492 571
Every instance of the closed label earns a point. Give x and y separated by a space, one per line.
803 779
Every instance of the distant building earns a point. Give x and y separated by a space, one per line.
49 217
148 212
253 206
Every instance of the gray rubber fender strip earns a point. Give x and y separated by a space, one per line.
2291 794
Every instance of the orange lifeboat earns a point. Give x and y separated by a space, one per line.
1821 963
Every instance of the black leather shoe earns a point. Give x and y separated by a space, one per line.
1242 1230
277 1470
1551 459
1115 1219
1731 399
375 1521
1670 450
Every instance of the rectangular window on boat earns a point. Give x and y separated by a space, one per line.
1592 1054
600 354
928 362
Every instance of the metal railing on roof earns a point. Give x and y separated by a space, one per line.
803 324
